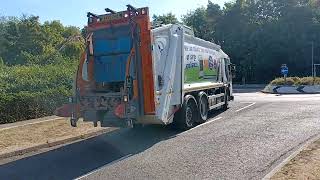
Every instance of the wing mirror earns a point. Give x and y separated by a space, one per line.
233 70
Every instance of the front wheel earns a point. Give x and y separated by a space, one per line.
187 116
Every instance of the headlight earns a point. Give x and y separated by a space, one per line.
125 98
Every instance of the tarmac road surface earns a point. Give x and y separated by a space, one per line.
245 142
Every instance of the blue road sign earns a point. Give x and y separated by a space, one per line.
284 70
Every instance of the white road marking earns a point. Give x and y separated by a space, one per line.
10 127
94 171
245 107
211 121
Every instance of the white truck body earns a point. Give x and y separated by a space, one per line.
175 51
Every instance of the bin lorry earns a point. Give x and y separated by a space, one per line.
133 74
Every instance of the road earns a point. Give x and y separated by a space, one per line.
245 142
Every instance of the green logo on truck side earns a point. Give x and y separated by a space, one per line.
201 64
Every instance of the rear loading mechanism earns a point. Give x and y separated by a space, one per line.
131 74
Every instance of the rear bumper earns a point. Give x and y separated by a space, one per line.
108 119
122 123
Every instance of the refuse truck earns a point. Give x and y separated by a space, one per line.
132 73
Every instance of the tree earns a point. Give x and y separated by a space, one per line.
214 13
168 18
260 35
197 19
25 41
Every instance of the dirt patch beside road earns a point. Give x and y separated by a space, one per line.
22 137
306 165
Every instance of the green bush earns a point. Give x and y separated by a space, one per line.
36 78
296 81
280 81
25 105
28 92
37 65
309 81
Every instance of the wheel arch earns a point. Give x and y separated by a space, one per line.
202 93
188 97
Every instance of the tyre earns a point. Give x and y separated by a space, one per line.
203 107
187 116
73 122
226 101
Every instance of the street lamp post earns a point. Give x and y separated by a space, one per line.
315 69
312 60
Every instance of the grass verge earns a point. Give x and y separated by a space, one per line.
27 136
306 165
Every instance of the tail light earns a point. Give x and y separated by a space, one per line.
119 110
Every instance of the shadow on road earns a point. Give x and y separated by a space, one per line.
77 159
74 160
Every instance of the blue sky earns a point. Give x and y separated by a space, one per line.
73 12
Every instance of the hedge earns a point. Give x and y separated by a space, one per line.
296 81
28 92
24 105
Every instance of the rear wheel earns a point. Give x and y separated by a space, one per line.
203 107
187 116
226 101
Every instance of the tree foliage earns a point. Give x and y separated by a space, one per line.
260 35
25 41
168 18
198 18
37 66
